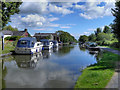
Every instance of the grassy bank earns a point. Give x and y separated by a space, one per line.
98 75
8 46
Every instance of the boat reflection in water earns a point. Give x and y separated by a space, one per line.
27 61
47 53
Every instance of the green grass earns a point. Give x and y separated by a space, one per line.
99 74
8 47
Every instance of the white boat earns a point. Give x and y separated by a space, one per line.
55 44
47 44
28 45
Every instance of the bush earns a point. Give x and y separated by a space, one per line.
115 44
11 38
106 43
99 42
14 38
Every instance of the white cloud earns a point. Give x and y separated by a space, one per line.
33 20
92 10
60 10
43 29
91 29
34 7
65 27
53 19
86 33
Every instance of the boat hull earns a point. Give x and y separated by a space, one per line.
27 50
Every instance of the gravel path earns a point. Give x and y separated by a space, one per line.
115 81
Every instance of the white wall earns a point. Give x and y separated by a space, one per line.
6 36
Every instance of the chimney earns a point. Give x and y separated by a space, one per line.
25 30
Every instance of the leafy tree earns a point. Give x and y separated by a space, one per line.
92 37
98 31
103 36
10 28
8 9
116 22
65 37
107 29
83 38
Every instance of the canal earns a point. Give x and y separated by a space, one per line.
57 68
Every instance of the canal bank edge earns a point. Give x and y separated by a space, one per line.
100 74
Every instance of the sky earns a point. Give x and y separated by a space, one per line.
76 17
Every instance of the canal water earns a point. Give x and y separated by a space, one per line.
57 68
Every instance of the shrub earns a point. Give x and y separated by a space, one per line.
11 38
115 44
99 42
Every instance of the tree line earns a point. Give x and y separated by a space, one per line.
110 35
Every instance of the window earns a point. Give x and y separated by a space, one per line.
32 44
38 44
23 42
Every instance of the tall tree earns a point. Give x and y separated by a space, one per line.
92 37
116 22
107 29
8 9
10 28
83 38
98 31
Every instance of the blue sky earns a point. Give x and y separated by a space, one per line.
76 17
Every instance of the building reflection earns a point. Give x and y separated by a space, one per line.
27 61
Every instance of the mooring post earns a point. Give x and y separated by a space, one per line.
2 42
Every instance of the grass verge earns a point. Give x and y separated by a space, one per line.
99 74
8 46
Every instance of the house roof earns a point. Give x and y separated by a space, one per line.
44 34
18 33
7 32
13 33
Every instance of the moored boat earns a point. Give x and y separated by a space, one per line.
47 44
28 45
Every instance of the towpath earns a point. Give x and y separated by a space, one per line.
115 81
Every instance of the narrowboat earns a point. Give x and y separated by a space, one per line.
28 45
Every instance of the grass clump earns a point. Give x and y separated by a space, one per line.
99 74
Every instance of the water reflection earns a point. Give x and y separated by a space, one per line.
27 61
65 49
57 68
82 48
97 54
47 53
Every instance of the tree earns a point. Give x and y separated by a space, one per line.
103 36
116 22
92 37
10 28
98 31
65 37
83 38
107 29
8 9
